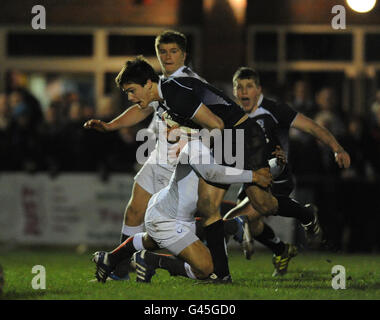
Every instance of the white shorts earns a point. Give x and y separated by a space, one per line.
171 234
153 177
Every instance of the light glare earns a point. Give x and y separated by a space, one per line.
361 6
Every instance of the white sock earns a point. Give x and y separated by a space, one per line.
131 231
189 272
275 240
137 241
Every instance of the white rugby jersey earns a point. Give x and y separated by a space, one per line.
178 200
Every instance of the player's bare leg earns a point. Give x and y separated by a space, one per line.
209 201
198 256
262 200
262 232
133 224
135 210
193 262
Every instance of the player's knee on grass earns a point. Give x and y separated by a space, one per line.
203 269
198 256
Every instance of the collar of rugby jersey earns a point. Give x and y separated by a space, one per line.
258 103
178 71
159 88
174 74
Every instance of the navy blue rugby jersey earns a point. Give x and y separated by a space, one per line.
275 119
184 95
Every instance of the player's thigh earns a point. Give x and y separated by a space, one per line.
243 208
149 243
262 200
209 199
256 226
137 205
198 256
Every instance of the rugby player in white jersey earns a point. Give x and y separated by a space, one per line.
170 222
156 172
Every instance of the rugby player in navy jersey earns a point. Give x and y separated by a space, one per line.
276 119
196 104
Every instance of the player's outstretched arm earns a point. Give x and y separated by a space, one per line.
130 117
207 119
202 162
307 125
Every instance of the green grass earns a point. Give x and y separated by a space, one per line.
309 277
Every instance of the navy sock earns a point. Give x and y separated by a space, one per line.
123 237
175 266
269 239
290 208
230 227
122 252
216 244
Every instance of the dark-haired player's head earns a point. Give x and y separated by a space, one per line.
247 88
171 48
139 81
136 71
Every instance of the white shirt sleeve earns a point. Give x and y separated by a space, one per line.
202 162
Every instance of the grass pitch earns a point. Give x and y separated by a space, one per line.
68 276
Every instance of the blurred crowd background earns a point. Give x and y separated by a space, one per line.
52 139
42 112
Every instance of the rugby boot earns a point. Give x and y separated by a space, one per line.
313 231
281 262
144 272
244 236
103 266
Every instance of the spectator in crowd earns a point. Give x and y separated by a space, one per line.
4 132
53 139
375 138
73 145
25 147
328 116
328 112
361 146
302 100
374 107
354 184
122 144
4 112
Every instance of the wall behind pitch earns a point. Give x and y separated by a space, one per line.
74 209
71 209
